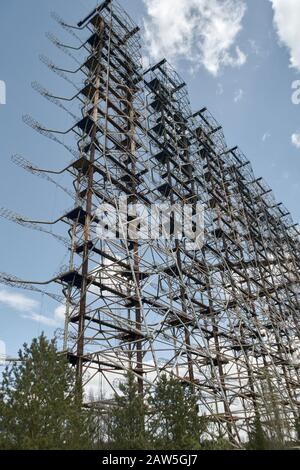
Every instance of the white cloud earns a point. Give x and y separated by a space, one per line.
42 319
17 301
59 313
296 140
28 308
287 23
238 95
56 320
204 32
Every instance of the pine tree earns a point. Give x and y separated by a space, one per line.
126 420
39 405
297 429
272 426
258 439
174 422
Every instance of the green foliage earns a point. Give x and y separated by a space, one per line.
41 408
258 439
174 423
297 429
216 444
167 421
272 427
126 421
39 405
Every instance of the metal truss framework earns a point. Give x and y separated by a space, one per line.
223 319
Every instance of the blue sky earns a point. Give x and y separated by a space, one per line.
241 66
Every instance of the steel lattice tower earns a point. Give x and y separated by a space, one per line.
224 318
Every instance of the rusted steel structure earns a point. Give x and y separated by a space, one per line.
223 318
